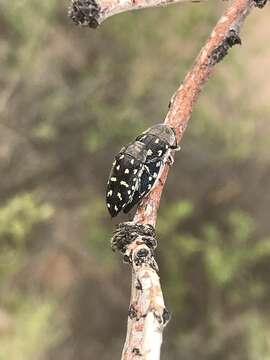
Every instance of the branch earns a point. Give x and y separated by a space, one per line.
147 315
224 35
136 240
90 13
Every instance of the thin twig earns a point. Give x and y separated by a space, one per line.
92 13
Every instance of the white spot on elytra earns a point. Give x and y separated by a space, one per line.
155 175
115 208
158 164
108 205
113 179
135 171
150 178
149 152
117 167
110 193
129 192
119 196
160 152
132 161
124 183
157 141
126 171
121 157
149 186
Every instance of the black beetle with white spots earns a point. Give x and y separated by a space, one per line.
137 168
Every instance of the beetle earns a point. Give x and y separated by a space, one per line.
137 167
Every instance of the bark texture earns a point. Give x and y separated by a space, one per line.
147 314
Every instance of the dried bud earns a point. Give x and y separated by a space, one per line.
260 3
85 13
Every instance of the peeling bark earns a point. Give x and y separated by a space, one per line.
147 314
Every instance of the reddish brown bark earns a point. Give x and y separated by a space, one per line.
185 97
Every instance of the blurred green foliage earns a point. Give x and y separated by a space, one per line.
32 332
96 229
17 219
70 98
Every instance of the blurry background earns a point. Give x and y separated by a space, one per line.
69 99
